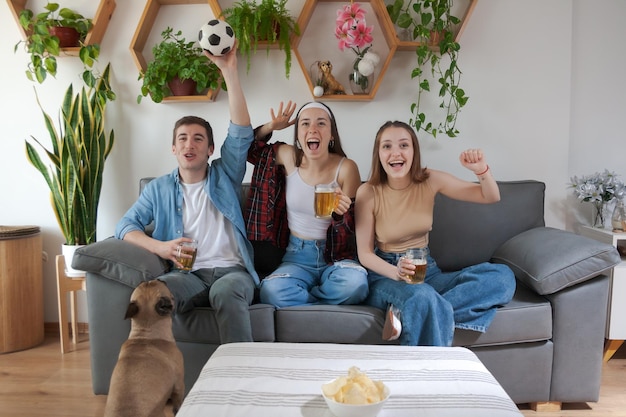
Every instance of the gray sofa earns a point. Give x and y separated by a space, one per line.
544 346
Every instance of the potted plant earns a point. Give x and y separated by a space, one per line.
75 162
268 21
433 27
49 31
176 60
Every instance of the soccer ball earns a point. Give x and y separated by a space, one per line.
216 37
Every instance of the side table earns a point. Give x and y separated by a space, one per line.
616 314
21 288
67 285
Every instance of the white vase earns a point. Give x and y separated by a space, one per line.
68 254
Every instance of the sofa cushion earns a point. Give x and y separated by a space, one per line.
544 258
526 318
358 324
200 325
466 233
120 261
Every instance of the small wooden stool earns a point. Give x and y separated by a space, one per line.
66 285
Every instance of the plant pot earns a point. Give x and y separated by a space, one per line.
68 37
182 88
68 254
436 38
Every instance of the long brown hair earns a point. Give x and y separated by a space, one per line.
334 132
378 175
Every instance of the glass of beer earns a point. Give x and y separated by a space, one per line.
325 200
186 255
418 258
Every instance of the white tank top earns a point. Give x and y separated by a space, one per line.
206 224
300 211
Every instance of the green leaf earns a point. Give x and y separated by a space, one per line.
394 9
404 20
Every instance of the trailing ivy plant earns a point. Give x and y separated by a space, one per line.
432 27
43 47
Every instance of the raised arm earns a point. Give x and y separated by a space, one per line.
239 114
280 120
486 191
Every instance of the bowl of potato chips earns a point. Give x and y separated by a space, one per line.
355 395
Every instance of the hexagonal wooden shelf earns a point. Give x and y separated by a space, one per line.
142 33
383 22
465 9
100 23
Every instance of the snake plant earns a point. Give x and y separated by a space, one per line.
80 146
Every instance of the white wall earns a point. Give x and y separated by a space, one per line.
544 80
598 104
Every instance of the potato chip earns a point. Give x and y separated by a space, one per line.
356 388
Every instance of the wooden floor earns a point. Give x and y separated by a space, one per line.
42 382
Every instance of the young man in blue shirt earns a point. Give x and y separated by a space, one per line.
200 201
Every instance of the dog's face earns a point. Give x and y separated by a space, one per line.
325 66
150 297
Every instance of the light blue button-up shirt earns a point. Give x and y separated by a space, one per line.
161 200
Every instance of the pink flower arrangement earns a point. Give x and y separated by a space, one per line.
354 33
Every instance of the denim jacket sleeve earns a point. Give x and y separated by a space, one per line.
234 151
159 204
138 216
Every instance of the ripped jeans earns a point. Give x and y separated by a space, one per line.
304 277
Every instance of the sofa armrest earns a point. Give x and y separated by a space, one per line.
549 260
120 261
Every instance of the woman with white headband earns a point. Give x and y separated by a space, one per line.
319 265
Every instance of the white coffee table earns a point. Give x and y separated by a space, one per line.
284 379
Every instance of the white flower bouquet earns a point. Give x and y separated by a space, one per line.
599 187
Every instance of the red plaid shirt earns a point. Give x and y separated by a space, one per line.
265 213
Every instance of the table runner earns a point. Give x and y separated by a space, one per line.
284 379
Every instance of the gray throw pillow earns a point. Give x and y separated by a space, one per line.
120 261
548 260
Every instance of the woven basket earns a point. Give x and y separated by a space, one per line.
11 232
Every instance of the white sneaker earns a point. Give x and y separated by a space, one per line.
393 325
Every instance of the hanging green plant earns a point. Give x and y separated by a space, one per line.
432 26
43 43
267 21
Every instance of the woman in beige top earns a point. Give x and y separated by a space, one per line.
394 212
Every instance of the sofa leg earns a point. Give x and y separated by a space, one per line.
546 406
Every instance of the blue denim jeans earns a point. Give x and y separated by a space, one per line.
304 277
429 312
229 291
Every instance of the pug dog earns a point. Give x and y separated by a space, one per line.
149 372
